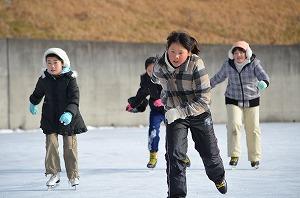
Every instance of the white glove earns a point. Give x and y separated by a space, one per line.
172 115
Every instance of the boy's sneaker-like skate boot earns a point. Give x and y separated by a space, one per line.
153 160
74 182
255 164
234 161
222 186
187 161
53 181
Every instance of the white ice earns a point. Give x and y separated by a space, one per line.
112 164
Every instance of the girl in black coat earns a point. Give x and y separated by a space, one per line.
60 114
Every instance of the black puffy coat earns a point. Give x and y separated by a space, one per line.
147 87
61 95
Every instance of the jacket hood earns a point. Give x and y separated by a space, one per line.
242 44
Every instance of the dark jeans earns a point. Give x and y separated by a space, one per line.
203 135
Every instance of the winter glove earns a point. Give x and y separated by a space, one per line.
262 85
66 118
33 109
172 115
130 109
158 103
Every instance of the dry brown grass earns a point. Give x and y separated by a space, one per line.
210 21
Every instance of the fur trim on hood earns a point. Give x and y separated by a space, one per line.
242 44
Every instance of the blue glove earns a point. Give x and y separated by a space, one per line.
33 109
66 118
262 85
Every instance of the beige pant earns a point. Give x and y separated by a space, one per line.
52 160
236 116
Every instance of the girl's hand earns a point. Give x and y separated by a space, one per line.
33 109
66 118
261 85
158 103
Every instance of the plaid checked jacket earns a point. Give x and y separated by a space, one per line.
186 88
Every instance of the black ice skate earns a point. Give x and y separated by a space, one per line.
187 161
222 186
255 164
233 161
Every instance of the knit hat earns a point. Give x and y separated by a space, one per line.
241 44
60 53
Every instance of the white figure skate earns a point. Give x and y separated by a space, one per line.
53 181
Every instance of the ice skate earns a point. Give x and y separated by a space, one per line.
255 164
187 161
233 162
222 186
153 160
53 181
74 182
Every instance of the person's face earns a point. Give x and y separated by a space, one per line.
54 65
149 69
177 54
239 56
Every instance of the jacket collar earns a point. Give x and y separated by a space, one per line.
171 69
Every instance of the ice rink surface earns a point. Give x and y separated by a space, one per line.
112 164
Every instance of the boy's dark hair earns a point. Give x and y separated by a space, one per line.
238 48
187 41
149 61
54 55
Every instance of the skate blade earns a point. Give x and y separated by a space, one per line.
74 187
51 187
151 166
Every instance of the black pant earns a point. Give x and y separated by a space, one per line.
203 135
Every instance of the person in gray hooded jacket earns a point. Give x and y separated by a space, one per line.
60 114
246 79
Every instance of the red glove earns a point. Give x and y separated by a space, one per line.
158 103
129 108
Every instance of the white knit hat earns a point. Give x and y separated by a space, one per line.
241 44
60 53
